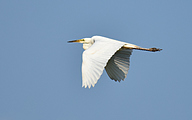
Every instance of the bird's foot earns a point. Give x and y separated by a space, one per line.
154 49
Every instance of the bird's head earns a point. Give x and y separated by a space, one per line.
87 42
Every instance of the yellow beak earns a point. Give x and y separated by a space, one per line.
75 41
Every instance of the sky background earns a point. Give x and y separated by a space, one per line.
40 73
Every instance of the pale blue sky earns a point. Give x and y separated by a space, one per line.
40 73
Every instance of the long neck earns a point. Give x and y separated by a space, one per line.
87 45
88 42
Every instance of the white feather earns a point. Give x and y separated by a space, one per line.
101 52
95 59
118 66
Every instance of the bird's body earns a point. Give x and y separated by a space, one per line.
101 52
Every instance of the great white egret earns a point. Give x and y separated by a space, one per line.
101 52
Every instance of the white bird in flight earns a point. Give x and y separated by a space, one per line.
101 52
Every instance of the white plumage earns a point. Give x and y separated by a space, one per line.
118 66
101 52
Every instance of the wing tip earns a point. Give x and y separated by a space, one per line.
89 86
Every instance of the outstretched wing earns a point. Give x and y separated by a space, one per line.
118 66
96 57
